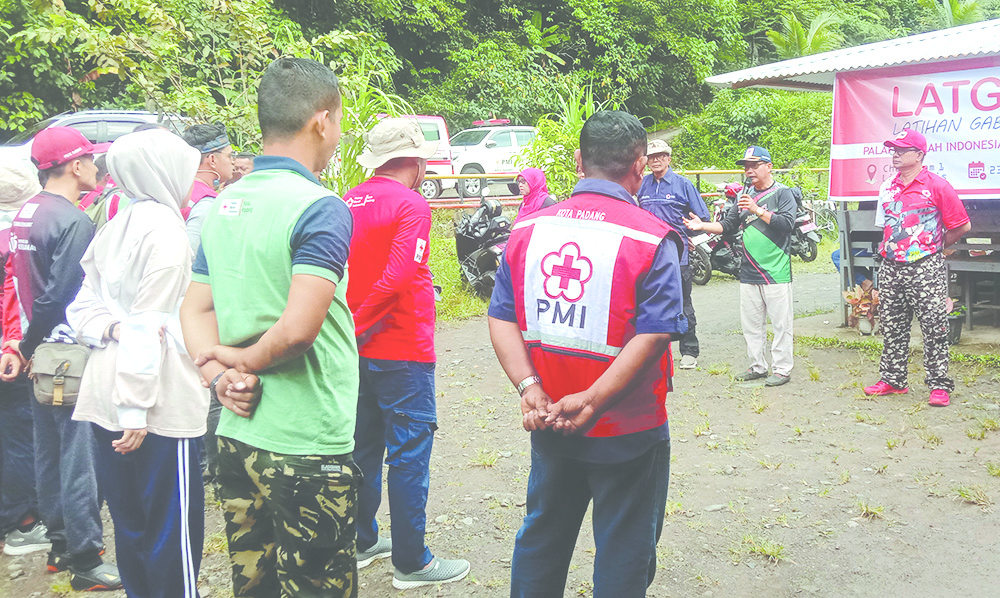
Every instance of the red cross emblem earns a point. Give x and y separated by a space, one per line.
565 272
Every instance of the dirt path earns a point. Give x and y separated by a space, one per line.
850 497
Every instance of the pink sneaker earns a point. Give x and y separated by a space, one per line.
884 388
939 398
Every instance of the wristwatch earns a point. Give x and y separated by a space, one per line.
215 382
524 384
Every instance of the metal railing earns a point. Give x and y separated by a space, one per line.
461 202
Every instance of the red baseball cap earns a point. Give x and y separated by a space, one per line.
58 145
908 138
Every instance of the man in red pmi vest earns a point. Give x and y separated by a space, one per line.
587 299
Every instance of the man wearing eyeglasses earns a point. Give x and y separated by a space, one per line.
766 214
670 197
921 214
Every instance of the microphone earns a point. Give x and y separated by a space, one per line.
747 185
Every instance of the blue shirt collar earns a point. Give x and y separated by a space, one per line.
668 176
604 187
283 163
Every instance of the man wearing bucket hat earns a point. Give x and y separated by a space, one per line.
766 214
392 299
921 215
48 238
670 197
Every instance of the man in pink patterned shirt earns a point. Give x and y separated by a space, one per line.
921 214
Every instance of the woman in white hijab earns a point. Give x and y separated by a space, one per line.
140 388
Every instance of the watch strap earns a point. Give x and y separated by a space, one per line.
524 384
215 382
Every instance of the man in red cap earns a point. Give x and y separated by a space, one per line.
47 239
921 215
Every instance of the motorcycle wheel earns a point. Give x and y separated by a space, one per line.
811 251
701 265
484 285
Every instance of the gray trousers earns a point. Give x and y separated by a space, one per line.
65 478
757 302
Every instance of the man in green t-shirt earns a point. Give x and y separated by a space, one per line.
766 215
266 315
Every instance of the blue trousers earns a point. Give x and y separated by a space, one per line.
629 503
66 481
397 417
157 502
17 466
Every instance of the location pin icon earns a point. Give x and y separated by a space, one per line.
871 171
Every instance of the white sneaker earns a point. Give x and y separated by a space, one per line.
33 540
381 550
437 571
688 362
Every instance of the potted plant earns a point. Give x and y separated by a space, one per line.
956 317
863 300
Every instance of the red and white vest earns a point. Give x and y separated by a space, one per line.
576 269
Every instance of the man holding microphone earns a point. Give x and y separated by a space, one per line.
766 214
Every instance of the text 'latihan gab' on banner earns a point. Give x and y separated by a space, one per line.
955 104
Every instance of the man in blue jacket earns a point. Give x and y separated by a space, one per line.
670 197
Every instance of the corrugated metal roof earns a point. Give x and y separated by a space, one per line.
816 72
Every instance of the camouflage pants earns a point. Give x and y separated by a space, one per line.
290 521
906 289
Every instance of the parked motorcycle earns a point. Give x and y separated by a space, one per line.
716 251
479 241
805 238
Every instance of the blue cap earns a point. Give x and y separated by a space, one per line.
754 153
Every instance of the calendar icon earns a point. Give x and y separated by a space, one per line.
977 170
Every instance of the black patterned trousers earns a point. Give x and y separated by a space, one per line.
914 288
290 522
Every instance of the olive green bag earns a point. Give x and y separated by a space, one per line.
57 369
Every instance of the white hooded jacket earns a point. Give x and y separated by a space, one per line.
137 270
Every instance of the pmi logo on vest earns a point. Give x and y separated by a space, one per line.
566 272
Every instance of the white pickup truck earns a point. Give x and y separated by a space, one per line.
489 148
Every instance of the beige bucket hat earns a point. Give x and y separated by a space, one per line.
657 146
18 184
395 138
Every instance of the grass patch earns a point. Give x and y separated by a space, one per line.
872 349
870 511
992 361
864 418
62 587
891 443
974 495
216 543
976 433
457 300
993 469
485 458
930 438
822 262
674 508
718 369
770 550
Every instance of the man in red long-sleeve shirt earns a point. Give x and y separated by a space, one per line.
392 299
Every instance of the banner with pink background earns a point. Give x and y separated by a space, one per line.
954 104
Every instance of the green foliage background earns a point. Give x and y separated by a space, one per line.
463 59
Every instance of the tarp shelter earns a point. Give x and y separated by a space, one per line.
945 84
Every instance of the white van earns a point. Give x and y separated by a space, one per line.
435 129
